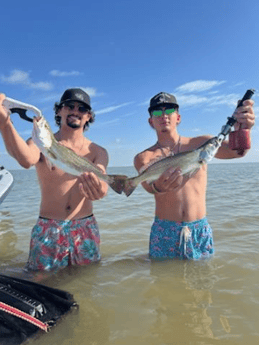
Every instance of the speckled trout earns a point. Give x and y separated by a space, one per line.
66 159
189 162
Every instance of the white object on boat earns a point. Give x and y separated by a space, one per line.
6 181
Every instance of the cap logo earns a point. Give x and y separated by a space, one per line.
161 99
79 96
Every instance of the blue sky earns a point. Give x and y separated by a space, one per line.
123 53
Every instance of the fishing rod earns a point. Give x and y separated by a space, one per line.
20 108
240 139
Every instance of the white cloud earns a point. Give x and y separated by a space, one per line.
23 78
42 85
57 73
193 100
113 108
213 92
190 100
230 100
16 77
90 90
198 85
239 84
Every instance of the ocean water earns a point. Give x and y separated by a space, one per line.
128 300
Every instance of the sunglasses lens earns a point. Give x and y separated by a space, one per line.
157 113
83 109
169 111
69 105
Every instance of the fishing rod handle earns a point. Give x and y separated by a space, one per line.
10 103
240 140
232 120
14 106
248 95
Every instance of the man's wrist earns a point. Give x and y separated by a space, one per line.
154 189
5 123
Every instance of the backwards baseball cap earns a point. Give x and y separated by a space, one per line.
162 98
76 95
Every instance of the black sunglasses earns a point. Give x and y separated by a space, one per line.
81 108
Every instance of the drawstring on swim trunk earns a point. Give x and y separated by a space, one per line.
185 235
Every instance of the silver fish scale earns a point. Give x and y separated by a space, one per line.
187 161
77 164
66 159
62 156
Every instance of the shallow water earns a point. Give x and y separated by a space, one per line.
126 299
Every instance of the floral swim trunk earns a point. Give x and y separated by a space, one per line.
183 240
56 244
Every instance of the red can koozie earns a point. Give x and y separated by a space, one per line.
240 140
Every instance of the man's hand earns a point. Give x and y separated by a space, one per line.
91 187
170 180
4 117
245 116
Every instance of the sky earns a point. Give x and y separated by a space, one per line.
123 52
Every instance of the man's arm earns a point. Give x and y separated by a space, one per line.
26 153
91 186
139 163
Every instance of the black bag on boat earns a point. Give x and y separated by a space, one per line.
39 302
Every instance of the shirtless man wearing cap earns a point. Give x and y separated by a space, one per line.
66 232
180 228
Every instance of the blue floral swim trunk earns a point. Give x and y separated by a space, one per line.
56 244
183 240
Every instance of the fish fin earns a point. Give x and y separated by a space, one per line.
129 186
118 182
144 167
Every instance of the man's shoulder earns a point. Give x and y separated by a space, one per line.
144 156
98 154
191 143
146 152
97 148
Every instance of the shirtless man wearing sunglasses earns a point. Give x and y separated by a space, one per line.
180 229
66 232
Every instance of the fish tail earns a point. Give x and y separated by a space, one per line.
117 183
130 186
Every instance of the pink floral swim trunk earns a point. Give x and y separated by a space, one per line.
56 244
183 240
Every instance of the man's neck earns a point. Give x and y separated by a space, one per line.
71 135
167 138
